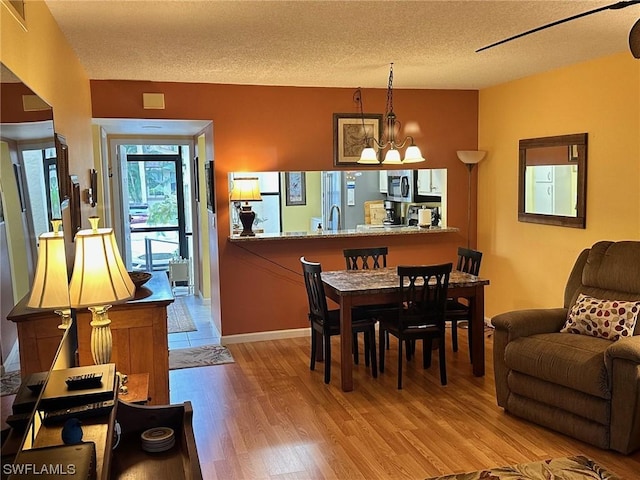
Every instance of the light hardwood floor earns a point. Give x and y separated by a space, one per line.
267 416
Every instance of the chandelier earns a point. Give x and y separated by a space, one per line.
369 155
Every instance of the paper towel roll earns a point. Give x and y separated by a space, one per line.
424 216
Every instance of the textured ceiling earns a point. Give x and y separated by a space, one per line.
335 43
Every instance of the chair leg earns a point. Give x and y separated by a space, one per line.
426 353
442 360
367 348
372 352
470 340
454 334
427 346
386 338
400 342
314 345
356 357
382 334
327 358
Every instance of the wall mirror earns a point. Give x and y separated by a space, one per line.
29 167
295 202
552 180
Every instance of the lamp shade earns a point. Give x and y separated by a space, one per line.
413 155
51 283
245 190
471 156
392 157
368 156
99 274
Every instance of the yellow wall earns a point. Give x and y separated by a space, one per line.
16 241
528 264
296 218
203 220
41 57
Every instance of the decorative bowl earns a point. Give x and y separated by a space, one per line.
139 278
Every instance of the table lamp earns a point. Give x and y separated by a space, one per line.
99 279
246 190
50 289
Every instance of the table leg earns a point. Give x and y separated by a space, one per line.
477 354
346 372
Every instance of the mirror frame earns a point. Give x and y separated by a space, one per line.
580 220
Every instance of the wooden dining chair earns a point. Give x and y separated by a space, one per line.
458 309
421 314
326 323
365 259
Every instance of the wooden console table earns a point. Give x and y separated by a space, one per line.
139 329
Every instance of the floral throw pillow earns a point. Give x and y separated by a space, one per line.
610 319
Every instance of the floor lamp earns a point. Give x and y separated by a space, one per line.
470 158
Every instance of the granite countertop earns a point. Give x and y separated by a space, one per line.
360 231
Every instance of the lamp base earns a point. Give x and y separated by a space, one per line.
101 340
247 216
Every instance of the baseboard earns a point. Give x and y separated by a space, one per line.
262 336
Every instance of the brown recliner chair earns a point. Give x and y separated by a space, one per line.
580 385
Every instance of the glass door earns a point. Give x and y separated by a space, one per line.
155 208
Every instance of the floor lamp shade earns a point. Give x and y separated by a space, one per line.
50 287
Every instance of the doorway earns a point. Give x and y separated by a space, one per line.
155 209
155 205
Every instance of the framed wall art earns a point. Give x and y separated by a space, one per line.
349 136
295 188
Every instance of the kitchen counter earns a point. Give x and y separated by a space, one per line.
359 231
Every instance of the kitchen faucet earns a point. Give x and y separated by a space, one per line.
331 216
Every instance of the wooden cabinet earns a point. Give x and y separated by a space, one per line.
431 181
138 327
384 187
139 331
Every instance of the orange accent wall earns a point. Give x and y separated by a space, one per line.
260 128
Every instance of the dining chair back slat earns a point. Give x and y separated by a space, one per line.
469 260
358 258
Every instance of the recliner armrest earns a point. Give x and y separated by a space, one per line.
523 323
627 348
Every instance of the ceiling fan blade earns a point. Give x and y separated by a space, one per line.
613 6
634 40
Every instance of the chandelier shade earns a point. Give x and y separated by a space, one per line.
388 140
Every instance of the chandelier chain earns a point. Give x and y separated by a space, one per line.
390 91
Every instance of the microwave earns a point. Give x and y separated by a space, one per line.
402 186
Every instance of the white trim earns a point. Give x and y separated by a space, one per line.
262 336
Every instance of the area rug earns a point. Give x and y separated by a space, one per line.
178 318
10 383
199 357
566 468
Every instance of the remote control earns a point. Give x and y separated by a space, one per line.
36 387
81 382
83 411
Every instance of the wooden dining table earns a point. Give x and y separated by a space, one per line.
352 288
